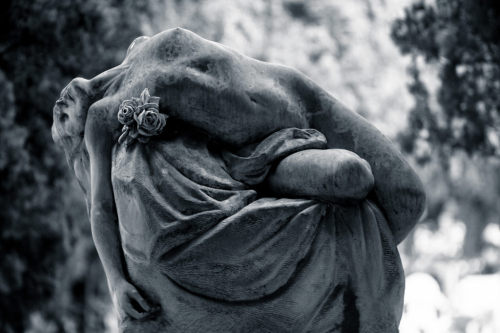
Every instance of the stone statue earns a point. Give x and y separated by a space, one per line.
228 194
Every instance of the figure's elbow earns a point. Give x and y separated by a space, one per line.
410 209
416 199
100 210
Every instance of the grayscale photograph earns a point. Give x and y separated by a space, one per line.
274 166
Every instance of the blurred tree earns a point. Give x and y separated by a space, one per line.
43 44
475 187
462 39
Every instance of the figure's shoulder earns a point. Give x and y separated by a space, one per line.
101 123
179 43
178 33
177 36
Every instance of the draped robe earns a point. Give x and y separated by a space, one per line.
201 240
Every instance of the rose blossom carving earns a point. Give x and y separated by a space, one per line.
141 118
150 122
127 110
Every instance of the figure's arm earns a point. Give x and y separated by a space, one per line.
334 175
398 189
103 219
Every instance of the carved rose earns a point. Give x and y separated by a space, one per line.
127 110
141 118
150 122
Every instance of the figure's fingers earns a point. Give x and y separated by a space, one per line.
140 300
129 310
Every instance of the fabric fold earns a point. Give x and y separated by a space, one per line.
216 256
252 163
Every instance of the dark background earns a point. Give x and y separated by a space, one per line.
425 73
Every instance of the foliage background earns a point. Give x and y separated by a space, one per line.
427 74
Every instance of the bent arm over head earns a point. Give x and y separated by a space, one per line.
334 175
398 190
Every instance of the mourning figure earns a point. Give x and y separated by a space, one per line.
228 194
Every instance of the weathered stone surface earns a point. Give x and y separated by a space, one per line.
250 211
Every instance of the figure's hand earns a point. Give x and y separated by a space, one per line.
129 301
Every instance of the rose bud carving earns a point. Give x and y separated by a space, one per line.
127 110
